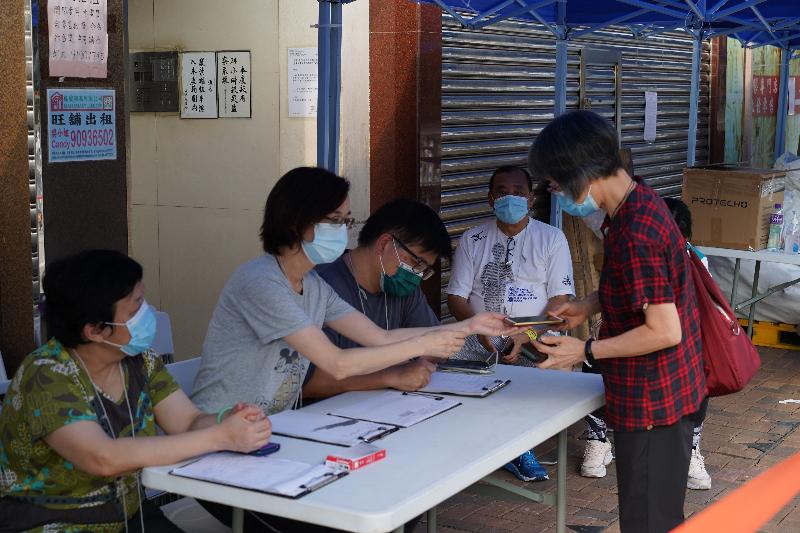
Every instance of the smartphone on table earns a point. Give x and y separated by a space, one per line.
270 447
541 320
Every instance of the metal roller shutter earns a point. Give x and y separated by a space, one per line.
498 93
31 72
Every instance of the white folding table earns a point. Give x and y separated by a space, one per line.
758 257
426 463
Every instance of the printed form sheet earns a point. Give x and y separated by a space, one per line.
402 409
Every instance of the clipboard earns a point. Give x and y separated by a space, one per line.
268 475
328 429
403 409
464 384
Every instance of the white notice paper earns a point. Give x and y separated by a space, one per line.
402 409
650 115
198 85
463 384
303 86
233 84
78 38
264 474
327 428
792 95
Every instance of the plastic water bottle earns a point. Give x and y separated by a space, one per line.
775 229
792 240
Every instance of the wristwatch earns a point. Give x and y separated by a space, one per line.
587 351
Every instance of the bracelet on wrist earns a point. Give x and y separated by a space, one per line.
532 335
587 351
222 414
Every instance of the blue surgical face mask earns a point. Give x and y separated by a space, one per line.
583 209
142 327
330 241
510 209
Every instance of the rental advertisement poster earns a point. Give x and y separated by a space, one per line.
81 125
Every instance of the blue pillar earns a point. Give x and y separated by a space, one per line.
335 90
780 126
329 38
694 95
323 114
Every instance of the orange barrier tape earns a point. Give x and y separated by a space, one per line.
752 505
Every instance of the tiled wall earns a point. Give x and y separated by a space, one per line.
198 187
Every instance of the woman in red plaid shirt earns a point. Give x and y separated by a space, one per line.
650 352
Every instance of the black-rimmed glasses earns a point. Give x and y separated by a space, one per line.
348 222
420 266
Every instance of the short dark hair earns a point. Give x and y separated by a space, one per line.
575 149
508 169
84 289
301 198
682 215
414 223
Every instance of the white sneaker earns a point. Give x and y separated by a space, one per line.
698 477
595 458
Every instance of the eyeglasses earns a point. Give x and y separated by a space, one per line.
420 266
348 222
510 245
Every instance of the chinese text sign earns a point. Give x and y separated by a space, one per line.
233 84
78 38
198 85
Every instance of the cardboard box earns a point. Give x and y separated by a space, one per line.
731 205
356 457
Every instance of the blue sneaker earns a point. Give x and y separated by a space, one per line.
527 468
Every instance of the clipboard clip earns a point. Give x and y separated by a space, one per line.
320 481
426 395
377 434
498 384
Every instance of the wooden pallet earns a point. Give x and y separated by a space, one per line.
774 335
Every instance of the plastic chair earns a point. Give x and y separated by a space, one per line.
3 375
4 381
162 344
184 373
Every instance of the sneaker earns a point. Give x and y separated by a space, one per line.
595 458
698 477
527 468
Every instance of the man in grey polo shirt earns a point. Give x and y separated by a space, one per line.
397 248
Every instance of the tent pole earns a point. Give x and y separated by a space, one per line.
780 126
694 96
561 78
560 101
560 106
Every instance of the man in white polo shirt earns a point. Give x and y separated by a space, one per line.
514 265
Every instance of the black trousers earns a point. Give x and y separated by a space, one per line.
652 468
255 522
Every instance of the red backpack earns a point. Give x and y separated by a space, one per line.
729 357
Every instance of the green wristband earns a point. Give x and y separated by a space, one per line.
222 413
